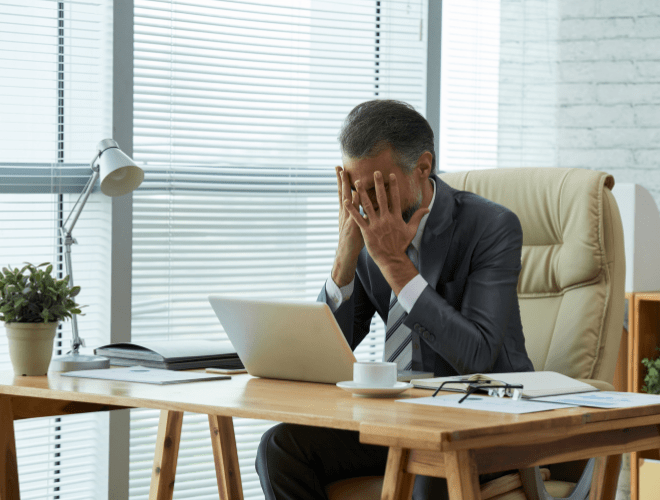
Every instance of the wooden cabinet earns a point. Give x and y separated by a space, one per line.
642 339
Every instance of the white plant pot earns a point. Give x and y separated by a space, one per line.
31 346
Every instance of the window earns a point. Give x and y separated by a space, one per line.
54 110
469 85
237 110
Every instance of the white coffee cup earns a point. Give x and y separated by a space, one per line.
374 374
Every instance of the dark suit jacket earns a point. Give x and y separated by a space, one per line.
467 319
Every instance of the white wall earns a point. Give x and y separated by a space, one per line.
609 88
580 87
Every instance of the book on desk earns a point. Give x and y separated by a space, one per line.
535 384
172 354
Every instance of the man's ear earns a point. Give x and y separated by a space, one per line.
425 164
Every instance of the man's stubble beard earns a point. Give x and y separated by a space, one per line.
408 212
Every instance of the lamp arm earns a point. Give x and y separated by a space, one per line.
76 341
68 240
79 205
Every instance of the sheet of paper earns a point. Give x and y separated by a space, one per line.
486 403
605 399
145 375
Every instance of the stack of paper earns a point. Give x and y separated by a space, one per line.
535 384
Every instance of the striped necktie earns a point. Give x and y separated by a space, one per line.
398 337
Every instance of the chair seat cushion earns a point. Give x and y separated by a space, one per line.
556 489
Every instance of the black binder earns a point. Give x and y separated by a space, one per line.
172 354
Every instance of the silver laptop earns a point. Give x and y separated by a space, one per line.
290 340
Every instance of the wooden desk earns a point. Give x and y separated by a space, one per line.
457 444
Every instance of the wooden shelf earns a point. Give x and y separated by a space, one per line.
643 337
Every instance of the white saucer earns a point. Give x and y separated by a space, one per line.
363 390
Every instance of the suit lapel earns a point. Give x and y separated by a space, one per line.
437 233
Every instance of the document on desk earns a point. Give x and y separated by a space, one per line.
605 399
145 375
487 403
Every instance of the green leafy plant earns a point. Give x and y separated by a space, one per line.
32 295
652 379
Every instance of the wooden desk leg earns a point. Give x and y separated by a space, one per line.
622 369
605 478
633 382
632 342
9 489
462 476
227 470
166 455
397 484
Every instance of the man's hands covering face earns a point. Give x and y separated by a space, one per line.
384 231
350 238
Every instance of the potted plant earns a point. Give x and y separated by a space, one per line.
32 304
652 379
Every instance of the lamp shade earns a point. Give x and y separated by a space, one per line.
118 173
641 235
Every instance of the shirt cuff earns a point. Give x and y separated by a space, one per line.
411 292
336 296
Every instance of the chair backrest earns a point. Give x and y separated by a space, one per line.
571 287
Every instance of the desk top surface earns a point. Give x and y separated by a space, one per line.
378 419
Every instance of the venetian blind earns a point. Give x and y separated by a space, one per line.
53 111
237 106
469 84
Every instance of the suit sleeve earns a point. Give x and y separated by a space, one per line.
471 339
353 315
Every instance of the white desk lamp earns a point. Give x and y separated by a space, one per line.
119 175
641 235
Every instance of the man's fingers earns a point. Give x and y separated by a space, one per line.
381 194
364 199
356 200
355 215
394 196
345 187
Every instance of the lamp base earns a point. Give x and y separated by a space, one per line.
75 361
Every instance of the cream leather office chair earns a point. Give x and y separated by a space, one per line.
571 292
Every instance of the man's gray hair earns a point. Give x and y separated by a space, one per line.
373 126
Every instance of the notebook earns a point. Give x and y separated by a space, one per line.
291 340
535 384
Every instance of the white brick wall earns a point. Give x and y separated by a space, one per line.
597 65
608 113
527 117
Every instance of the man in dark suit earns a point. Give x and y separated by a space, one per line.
439 266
